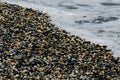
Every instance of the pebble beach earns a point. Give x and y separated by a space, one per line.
33 48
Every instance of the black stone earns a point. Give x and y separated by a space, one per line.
47 72
0 11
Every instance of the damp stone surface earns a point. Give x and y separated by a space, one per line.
33 48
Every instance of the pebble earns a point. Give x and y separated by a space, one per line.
31 47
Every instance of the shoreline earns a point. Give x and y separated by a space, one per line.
34 48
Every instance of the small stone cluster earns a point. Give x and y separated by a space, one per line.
32 48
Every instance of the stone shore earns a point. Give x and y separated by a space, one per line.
33 48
